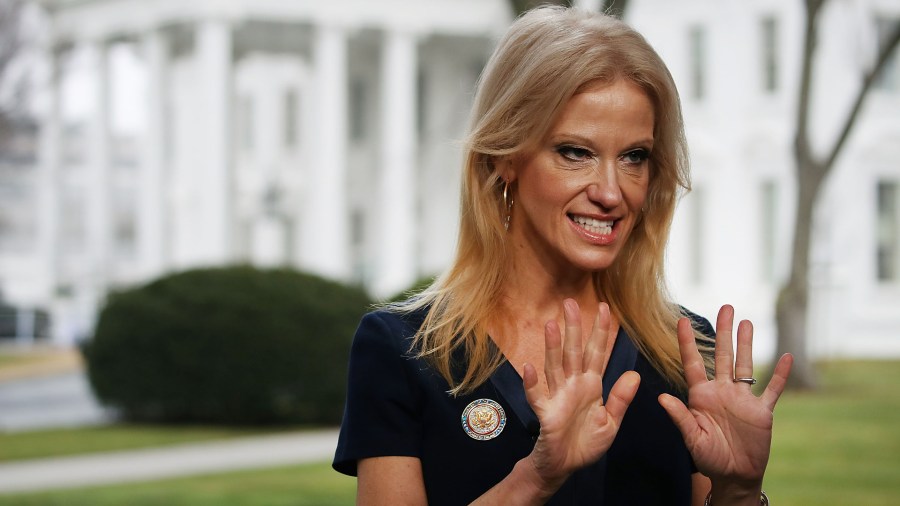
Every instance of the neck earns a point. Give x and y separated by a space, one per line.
533 295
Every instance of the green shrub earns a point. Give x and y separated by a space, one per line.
234 345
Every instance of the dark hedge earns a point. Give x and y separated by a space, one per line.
234 345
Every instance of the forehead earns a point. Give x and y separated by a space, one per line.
619 105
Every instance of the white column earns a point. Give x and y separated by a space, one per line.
98 181
152 205
324 237
48 187
213 44
396 268
93 280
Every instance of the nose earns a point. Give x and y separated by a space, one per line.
604 190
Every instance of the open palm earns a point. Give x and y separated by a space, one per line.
576 427
727 429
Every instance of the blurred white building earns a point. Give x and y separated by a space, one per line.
324 135
737 66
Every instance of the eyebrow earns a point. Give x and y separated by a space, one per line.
646 142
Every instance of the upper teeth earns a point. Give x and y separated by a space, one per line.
594 225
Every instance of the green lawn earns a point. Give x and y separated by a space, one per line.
309 485
837 446
54 443
8 359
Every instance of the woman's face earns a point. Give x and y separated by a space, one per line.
579 193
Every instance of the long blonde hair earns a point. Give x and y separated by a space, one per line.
546 56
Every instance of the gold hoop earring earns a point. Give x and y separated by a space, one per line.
508 202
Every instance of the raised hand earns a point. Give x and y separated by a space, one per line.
576 427
727 429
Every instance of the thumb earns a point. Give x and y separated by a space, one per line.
680 415
622 394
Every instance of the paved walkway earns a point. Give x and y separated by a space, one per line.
157 463
58 400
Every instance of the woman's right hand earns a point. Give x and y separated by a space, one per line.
576 427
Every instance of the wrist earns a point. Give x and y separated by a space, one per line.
523 486
543 487
729 494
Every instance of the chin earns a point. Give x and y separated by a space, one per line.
593 264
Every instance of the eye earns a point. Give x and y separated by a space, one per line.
636 156
574 153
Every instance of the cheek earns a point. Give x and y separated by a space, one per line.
636 193
546 189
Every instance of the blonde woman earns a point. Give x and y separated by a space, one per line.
548 365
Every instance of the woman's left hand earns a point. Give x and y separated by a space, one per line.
727 429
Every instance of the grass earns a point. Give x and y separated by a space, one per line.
19 359
307 485
8 359
837 446
56 443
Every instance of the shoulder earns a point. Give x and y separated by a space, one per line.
391 325
385 336
384 391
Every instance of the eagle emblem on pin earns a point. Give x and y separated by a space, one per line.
483 419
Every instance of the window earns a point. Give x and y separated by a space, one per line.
768 221
889 79
290 119
769 29
888 231
358 110
245 123
421 102
357 244
697 43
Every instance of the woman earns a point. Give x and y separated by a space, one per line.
575 161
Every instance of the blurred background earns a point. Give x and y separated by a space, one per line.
145 139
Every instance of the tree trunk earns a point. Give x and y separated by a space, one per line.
793 299
791 308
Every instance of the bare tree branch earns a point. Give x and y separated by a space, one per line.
801 136
615 8
869 79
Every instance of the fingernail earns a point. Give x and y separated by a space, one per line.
570 307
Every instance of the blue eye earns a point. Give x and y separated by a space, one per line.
574 153
636 156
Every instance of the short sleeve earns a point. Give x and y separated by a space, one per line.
382 412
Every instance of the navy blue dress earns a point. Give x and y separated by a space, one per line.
398 406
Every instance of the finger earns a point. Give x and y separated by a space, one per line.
724 353
534 394
680 415
572 355
779 380
595 349
553 357
622 394
743 362
694 368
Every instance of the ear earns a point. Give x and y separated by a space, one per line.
506 167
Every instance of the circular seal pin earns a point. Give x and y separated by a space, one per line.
483 419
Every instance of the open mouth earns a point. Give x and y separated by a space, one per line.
593 225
